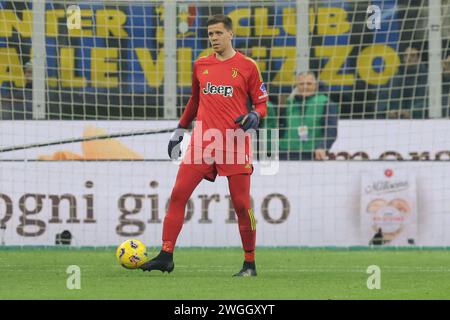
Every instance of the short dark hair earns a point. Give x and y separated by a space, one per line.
220 18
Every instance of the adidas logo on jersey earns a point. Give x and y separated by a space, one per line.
226 91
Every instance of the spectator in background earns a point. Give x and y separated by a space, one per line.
406 95
378 238
311 122
446 87
17 103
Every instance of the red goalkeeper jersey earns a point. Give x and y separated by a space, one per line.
220 94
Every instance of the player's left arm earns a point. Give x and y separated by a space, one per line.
256 89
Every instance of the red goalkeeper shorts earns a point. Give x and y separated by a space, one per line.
220 163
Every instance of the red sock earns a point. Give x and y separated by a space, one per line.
250 255
187 181
239 186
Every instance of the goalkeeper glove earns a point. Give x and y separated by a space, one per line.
248 121
174 147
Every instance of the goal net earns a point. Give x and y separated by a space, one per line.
359 93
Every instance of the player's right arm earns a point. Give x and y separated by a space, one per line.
189 114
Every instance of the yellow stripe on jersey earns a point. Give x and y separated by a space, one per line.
202 57
252 219
206 53
257 67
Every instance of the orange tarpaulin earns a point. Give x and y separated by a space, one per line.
105 149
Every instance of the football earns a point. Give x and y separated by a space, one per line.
131 254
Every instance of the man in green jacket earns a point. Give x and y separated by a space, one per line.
310 122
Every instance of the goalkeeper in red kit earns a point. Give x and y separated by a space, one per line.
221 87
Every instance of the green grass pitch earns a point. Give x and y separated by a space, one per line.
283 273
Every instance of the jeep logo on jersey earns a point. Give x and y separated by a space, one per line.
226 91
